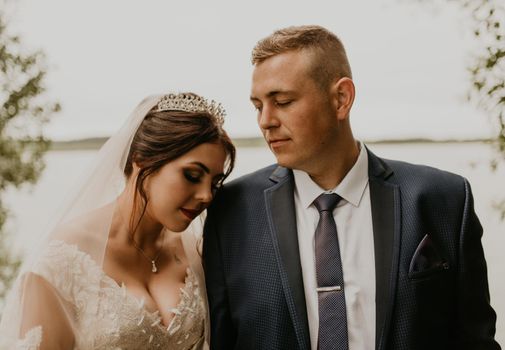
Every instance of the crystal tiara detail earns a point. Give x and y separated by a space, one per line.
189 102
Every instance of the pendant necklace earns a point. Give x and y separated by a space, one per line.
154 268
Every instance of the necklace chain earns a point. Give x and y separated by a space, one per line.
154 268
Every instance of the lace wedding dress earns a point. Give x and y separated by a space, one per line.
107 316
62 294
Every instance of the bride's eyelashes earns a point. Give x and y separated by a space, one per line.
195 177
192 176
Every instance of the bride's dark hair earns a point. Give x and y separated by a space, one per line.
166 135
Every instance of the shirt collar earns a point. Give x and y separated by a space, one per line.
351 188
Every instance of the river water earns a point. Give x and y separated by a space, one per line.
31 207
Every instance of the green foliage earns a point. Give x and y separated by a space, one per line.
23 112
501 207
487 70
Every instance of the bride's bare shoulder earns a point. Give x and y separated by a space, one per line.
89 231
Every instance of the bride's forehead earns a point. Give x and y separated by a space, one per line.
209 152
210 157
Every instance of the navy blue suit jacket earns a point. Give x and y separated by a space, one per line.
431 278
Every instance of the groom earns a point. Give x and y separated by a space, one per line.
334 247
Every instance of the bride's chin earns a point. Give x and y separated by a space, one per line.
177 227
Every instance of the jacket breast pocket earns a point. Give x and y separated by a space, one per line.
427 261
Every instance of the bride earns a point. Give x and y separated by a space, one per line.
120 268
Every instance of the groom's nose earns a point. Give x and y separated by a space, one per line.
267 118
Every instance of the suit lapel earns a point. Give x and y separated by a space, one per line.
281 214
385 202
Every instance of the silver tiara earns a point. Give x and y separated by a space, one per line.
189 102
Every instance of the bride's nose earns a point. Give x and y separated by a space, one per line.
204 193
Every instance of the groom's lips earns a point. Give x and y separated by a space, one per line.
190 213
277 142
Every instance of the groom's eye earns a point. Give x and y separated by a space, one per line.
283 103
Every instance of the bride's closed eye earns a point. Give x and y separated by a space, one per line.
192 176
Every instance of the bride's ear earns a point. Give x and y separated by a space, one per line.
134 173
136 167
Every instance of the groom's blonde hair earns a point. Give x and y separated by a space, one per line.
329 59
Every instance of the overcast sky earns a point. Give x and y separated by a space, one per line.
408 60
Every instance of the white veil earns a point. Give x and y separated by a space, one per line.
83 221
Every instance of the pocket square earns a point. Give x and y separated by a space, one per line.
426 259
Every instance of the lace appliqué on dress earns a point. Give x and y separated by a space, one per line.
31 341
110 318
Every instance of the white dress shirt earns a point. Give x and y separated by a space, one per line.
353 217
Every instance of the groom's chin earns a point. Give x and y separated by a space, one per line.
287 160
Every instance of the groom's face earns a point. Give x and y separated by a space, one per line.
295 114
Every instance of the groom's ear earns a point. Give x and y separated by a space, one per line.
342 93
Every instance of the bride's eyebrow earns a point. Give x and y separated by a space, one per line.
201 165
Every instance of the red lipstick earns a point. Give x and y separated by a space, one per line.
190 213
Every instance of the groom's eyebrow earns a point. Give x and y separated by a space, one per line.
271 94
